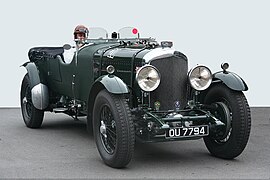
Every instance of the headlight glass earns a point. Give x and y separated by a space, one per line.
200 77
148 78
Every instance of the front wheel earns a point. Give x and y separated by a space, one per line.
32 116
113 129
236 111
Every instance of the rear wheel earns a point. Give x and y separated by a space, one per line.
234 111
113 129
32 117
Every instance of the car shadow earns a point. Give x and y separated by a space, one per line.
172 153
167 151
67 124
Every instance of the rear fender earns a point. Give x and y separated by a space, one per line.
39 91
231 80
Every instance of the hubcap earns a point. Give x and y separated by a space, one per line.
24 100
27 103
103 129
224 114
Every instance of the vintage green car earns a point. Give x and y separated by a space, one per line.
137 89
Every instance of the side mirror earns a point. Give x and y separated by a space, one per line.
67 47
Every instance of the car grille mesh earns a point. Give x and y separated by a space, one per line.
173 85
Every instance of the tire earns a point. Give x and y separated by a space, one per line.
237 135
32 117
113 129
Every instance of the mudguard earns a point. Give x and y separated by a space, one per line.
113 84
232 80
39 91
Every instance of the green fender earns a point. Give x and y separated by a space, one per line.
232 80
39 91
113 84
33 73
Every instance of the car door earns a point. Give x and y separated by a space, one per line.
61 76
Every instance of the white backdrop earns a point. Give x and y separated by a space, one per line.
209 32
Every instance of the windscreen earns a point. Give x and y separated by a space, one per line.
97 33
128 33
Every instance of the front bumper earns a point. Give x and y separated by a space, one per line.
152 126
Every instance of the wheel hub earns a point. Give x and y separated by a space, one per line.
113 124
107 129
224 115
102 129
24 100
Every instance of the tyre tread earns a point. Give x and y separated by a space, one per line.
36 119
240 127
125 131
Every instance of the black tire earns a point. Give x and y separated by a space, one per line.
32 117
240 122
113 129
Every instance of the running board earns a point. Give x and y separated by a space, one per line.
60 110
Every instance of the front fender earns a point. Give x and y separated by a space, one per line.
113 84
232 80
39 91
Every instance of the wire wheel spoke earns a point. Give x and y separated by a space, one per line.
27 102
112 132
107 129
225 117
111 142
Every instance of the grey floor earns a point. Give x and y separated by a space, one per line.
62 148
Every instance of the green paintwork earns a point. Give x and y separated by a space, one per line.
61 75
121 59
79 82
88 67
231 80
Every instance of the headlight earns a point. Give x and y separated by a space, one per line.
148 78
200 77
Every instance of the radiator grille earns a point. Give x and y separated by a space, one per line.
173 85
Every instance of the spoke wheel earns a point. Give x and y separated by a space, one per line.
32 117
107 130
113 129
224 114
234 111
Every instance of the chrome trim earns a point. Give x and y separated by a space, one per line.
158 53
24 100
40 96
110 69
209 81
158 73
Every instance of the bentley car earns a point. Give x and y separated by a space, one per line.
135 89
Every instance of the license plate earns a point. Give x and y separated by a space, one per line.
193 131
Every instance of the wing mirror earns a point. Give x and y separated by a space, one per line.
67 46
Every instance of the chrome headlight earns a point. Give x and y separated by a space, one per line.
200 77
148 78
